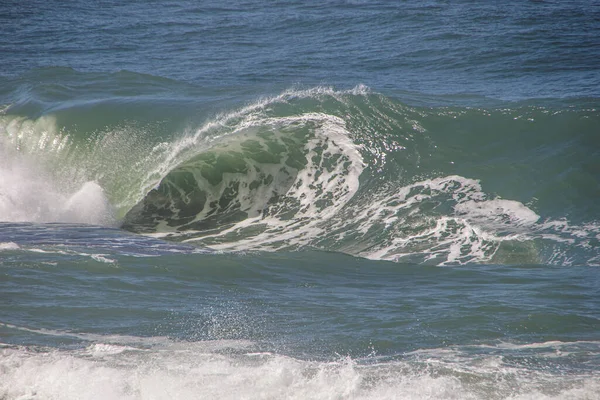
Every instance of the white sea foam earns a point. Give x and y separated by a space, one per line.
103 349
9 246
103 258
470 231
231 370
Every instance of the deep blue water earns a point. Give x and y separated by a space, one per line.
337 200
512 50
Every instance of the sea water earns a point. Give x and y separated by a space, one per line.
300 200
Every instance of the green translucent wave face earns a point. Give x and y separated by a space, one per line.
243 177
350 171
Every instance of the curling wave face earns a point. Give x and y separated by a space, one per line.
350 171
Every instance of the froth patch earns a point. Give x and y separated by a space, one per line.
6 246
103 349
446 220
498 211
191 371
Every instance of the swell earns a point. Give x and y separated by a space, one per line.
351 171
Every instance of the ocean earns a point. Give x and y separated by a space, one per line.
300 200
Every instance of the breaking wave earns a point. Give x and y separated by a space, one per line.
350 171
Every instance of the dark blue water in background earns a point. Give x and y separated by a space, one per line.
511 50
